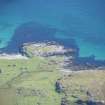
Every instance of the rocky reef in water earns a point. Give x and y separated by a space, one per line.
28 32
34 32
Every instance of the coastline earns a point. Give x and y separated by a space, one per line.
71 62
12 56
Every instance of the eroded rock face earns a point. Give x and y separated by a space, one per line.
59 87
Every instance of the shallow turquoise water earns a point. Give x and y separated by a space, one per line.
82 20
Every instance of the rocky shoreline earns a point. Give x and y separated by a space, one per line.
47 49
72 61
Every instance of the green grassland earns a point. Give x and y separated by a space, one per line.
34 78
32 82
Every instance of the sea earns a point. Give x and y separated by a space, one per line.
76 23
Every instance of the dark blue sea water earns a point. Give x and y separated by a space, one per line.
70 22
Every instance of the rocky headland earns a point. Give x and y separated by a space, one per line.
71 61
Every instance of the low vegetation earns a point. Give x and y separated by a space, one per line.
39 81
32 81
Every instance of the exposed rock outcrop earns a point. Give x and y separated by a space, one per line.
47 49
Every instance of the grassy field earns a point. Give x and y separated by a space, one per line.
32 82
85 85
